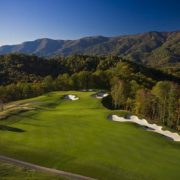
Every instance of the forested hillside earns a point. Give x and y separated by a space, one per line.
157 49
16 68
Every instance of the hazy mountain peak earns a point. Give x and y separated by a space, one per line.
147 47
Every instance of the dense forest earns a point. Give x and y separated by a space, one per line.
134 87
16 68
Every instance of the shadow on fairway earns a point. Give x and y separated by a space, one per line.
50 105
8 128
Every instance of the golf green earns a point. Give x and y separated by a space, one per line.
76 136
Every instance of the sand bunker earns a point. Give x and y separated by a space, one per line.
71 97
87 90
149 127
100 95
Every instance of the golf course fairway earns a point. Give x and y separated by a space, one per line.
78 137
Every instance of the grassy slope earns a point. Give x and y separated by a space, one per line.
76 136
11 172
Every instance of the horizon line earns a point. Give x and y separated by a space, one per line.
88 36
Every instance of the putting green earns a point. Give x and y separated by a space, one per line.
76 136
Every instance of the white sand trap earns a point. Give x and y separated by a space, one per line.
71 97
87 90
101 95
150 127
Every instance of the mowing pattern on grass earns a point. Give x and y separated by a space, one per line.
75 136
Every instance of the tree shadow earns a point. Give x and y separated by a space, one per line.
107 102
12 129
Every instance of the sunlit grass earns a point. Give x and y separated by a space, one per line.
78 137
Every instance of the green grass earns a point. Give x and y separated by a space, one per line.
76 136
12 172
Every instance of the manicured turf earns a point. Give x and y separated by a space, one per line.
12 172
76 136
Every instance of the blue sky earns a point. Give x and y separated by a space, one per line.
23 20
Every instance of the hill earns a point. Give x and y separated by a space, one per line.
16 68
151 48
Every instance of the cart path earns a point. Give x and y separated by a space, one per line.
44 169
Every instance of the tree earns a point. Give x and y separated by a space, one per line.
134 88
168 96
178 114
120 93
81 80
1 105
63 82
27 91
101 79
173 106
47 83
161 91
123 70
146 104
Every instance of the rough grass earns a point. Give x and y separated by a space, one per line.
12 172
76 136
14 108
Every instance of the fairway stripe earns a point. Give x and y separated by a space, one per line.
44 169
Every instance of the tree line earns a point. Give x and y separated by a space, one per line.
161 104
77 81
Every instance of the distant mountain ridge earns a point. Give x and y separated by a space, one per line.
153 48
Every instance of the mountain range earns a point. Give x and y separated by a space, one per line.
151 48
